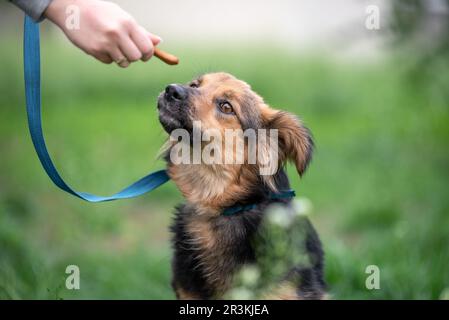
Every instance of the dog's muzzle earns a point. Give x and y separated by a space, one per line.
173 106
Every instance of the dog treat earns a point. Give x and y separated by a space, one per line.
166 57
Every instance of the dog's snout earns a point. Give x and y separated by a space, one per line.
175 92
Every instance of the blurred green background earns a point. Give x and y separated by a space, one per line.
378 181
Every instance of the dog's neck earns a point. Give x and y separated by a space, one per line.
213 188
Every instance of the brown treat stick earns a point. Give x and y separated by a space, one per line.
166 57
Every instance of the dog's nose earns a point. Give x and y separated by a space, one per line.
175 92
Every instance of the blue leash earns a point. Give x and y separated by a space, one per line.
31 57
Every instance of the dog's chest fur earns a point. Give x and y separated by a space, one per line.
208 250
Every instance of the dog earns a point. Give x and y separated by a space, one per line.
211 247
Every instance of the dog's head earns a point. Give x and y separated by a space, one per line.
222 103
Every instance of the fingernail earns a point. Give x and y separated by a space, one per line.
159 39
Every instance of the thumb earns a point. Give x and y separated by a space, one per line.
154 38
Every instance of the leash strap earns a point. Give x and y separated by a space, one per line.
31 57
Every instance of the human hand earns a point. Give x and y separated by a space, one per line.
105 31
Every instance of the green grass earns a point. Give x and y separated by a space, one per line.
378 181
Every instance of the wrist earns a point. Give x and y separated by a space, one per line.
56 11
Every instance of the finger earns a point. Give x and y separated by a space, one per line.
104 57
129 49
119 58
143 43
154 38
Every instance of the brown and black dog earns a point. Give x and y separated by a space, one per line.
210 247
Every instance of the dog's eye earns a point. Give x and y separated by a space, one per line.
225 107
194 84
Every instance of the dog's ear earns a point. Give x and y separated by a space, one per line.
295 140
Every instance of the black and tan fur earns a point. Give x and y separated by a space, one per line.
209 247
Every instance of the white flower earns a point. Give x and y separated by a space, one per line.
241 293
302 206
445 294
279 216
250 275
